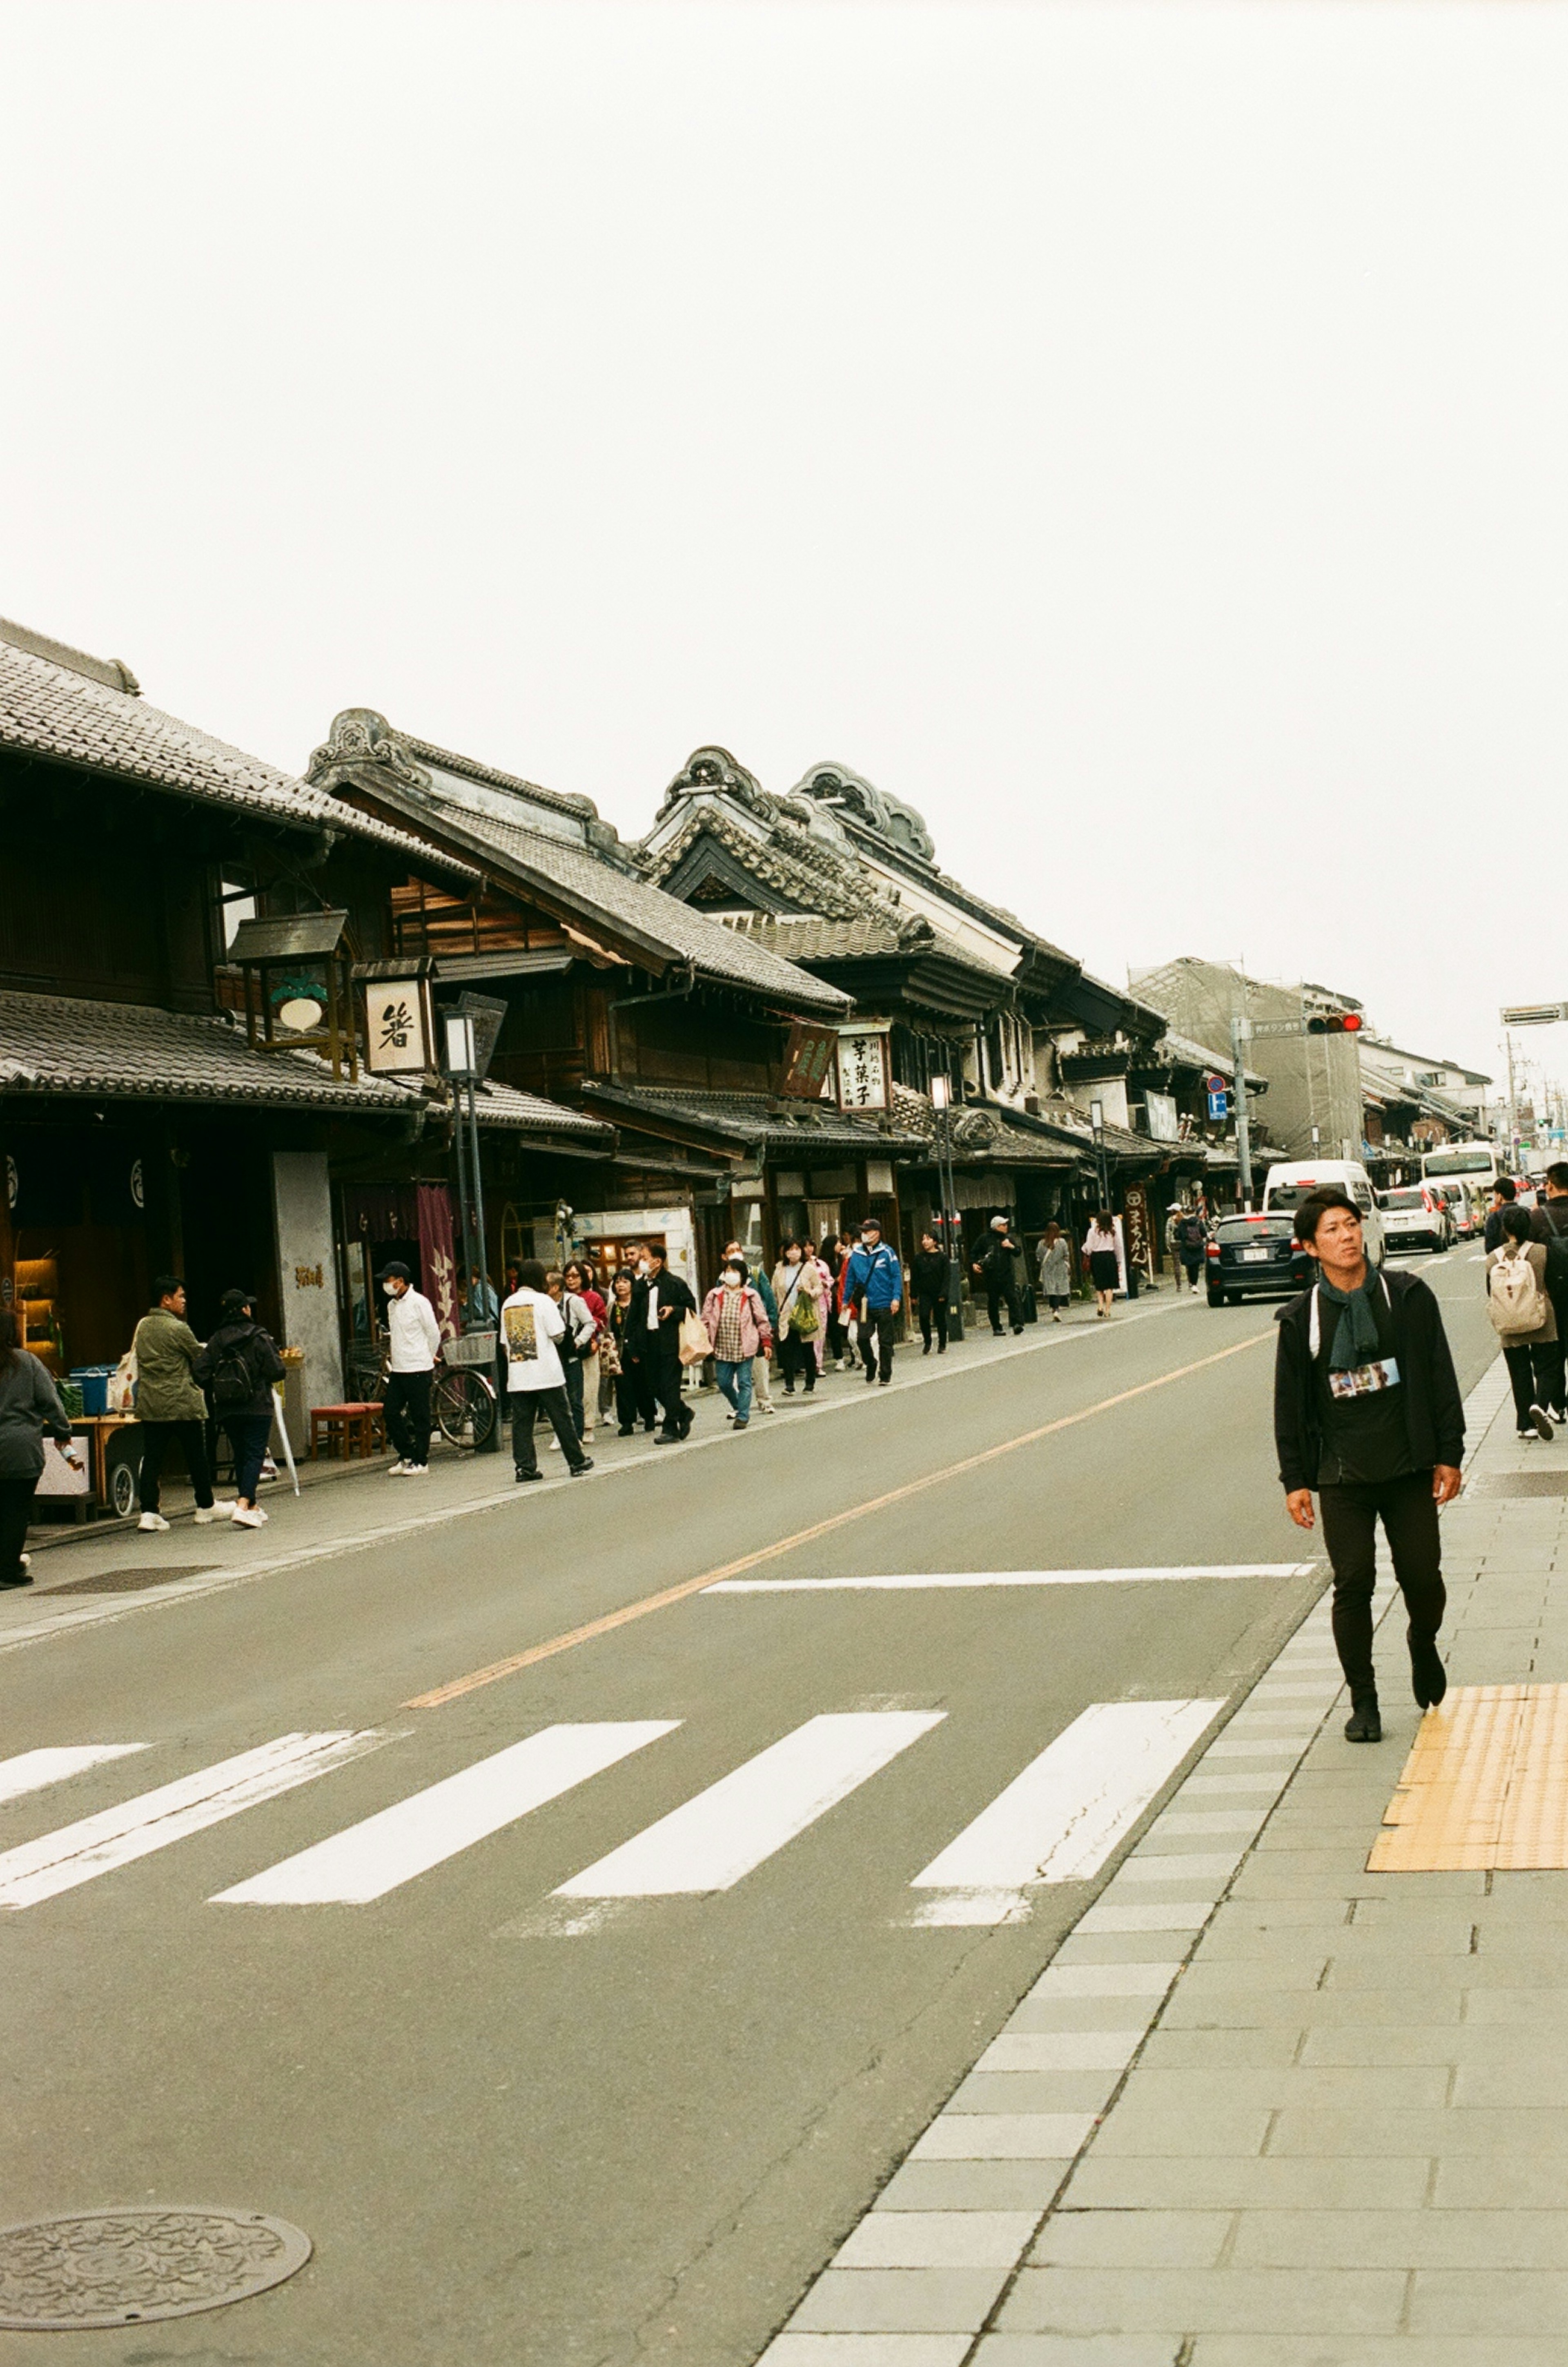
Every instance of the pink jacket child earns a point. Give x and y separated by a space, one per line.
756 1333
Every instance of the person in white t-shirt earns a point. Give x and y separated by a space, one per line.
531 1324
415 1337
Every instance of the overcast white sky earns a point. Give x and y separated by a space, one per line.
1135 436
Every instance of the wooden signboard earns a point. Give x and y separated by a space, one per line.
808 1060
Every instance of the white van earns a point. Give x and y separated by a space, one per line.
1287 1185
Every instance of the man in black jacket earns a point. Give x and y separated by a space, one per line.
996 1269
1549 1224
1367 1410
660 1299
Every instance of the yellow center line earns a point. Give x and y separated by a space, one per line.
669 1595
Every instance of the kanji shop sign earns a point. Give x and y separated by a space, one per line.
808 1061
863 1073
397 1027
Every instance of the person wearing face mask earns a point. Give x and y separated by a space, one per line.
660 1300
874 1288
416 1342
739 1333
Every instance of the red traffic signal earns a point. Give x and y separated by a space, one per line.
1338 1023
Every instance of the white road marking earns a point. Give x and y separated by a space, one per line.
915 1579
1061 1818
94 1845
711 1841
31 1770
371 1858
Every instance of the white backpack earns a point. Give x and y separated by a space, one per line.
1515 1301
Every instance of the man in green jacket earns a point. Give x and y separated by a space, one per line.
168 1402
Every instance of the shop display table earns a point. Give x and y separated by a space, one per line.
356 1428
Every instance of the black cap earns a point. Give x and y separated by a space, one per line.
871 1224
396 1271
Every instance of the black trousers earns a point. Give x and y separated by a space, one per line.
876 1340
248 1435
634 1397
998 1295
664 1375
797 1359
1409 1516
1532 1370
526 1405
933 1310
837 1343
15 1505
407 1415
155 1437
572 1367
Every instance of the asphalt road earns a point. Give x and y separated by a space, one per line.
549 2132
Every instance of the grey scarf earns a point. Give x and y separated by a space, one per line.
1356 1336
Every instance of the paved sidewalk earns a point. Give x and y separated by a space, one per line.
1265 2108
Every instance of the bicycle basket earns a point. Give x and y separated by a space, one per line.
473 1348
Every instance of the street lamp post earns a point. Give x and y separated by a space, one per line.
942 1102
1096 1120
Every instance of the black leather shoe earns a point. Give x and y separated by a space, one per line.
579 1469
1428 1678
627 1430
1364 1724
523 1477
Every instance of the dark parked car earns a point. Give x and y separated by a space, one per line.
1255 1257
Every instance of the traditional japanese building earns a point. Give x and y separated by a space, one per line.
185 1079
703 1047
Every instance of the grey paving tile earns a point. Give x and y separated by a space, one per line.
1260 1943
1520 2009
1131 2239
898 2301
1061 2050
1223 1976
1184 1865
1034 2091
937 2239
1402 2239
1113 1912
1196 2301
1450 2132
1372 2351
1242 2008
973 2186
1251 2182
1078 2350
1333 2047
1523 2083
1481 2182
1293 2088
1219 2050
1003 2136
1218 2128
1146 1980
1094 1944
1488 2302
789 2349
1059 2012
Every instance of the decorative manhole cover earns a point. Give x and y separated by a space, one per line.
130 1581
1521 1483
122 2268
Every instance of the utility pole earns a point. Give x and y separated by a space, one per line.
1241 1033
942 1102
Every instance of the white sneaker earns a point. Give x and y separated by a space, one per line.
205 1513
151 1520
247 1516
768 1405
25 1561
398 1470
411 1471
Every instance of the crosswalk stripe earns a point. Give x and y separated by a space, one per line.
94 1845
915 1581
1061 1818
30 1771
371 1858
711 1841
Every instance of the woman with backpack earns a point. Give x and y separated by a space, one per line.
237 1369
1523 1318
798 1289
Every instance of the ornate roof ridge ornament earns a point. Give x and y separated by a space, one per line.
889 818
713 767
360 736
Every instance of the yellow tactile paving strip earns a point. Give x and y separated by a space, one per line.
1486 1786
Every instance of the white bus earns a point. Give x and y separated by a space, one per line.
1476 1165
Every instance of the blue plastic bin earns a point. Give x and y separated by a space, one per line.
93 1380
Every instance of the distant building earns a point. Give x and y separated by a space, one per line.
1314 1082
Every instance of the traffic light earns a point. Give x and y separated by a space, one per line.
1338 1023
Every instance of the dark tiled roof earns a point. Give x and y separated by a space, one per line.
53 711
505 1107
780 1127
65 1044
813 939
662 922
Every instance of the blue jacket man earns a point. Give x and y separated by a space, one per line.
873 1286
